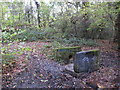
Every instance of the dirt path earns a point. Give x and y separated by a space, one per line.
44 73
41 73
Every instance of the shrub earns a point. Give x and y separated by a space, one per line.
74 42
6 37
28 35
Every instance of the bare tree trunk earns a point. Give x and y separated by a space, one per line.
85 19
38 12
118 30
38 18
117 25
0 56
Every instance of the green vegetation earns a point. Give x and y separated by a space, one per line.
10 58
66 53
60 23
75 22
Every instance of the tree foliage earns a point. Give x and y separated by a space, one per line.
59 21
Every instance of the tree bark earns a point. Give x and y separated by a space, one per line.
38 18
85 21
118 30
38 12
117 25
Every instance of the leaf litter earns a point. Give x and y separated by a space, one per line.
40 72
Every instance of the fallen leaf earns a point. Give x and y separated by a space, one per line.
43 80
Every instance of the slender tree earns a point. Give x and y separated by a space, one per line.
38 12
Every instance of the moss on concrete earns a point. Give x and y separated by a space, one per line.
77 47
94 52
66 53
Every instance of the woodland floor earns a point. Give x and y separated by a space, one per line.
40 72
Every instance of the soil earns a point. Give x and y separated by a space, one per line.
41 72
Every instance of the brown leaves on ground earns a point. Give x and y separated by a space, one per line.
108 74
39 66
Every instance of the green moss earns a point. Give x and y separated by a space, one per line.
47 46
77 47
64 54
94 52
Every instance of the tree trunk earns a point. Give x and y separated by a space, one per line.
118 29
117 25
85 21
38 18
